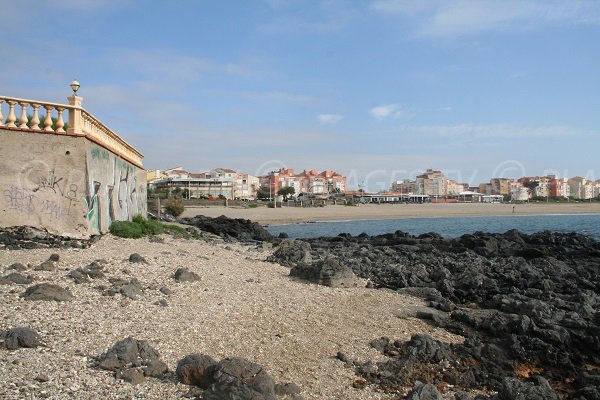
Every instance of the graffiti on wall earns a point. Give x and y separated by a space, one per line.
112 189
41 192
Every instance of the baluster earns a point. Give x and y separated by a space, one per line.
35 120
12 118
59 122
23 120
1 116
48 119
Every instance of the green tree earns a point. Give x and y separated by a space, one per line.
286 192
174 206
262 194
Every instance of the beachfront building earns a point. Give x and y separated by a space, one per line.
518 192
217 182
501 186
404 186
311 182
485 189
453 188
581 188
432 183
559 187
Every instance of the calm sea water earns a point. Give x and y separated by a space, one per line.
449 227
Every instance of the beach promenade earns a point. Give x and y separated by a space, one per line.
385 211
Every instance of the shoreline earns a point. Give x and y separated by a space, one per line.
336 213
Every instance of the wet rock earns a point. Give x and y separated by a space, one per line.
136 258
184 275
21 337
238 229
282 235
47 291
195 370
328 272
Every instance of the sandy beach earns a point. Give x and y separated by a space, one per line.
242 306
288 215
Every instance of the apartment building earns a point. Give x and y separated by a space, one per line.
432 183
214 183
581 188
501 186
308 181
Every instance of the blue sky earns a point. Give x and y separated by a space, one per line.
377 90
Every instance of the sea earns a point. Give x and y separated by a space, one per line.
448 227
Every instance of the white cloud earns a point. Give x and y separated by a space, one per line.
329 118
389 110
438 18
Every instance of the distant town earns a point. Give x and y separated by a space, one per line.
430 186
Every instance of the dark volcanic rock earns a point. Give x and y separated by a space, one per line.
21 337
183 275
128 353
15 277
26 237
46 266
136 258
238 378
84 274
195 370
129 288
292 252
424 391
523 301
47 291
241 229
17 267
328 272
536 388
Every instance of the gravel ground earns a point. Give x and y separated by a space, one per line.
242 306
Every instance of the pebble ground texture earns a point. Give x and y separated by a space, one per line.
242 306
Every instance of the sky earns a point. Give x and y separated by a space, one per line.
377 90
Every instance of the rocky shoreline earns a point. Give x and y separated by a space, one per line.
528 305
502 316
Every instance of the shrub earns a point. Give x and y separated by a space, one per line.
350 203
126 229
252 205
174 206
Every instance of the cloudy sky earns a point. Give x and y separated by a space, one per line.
377 90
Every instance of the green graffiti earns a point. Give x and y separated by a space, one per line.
97 153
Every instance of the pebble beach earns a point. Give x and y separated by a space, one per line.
242 306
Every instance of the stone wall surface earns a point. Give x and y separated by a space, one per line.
65 184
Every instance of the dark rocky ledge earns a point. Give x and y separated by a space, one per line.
529 306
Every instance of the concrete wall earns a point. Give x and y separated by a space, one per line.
67 185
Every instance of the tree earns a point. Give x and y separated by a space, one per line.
531 185
286 191
174 206
262 194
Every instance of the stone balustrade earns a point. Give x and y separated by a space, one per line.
44 117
